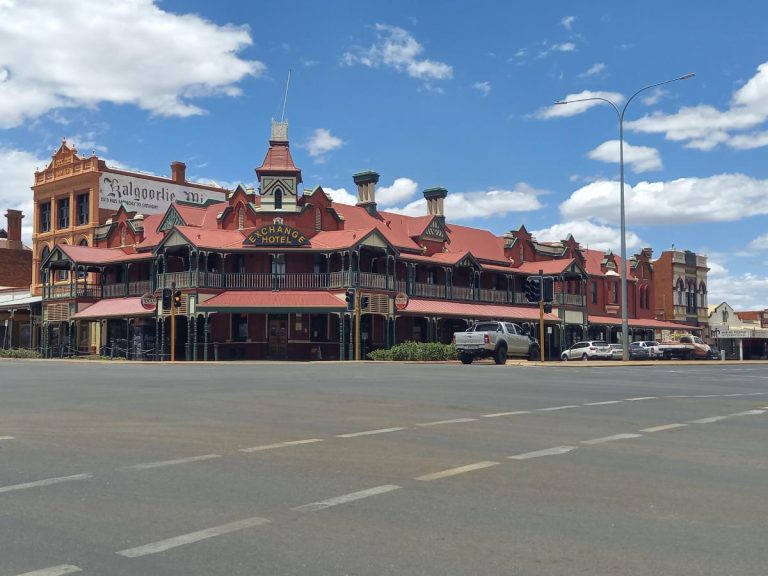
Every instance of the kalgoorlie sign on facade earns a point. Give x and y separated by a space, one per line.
149 196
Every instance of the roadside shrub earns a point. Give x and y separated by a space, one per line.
20 353
416 351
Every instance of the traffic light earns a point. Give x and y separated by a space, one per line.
177 299
548 289
547 308
364 300
349 296
533 289
166 298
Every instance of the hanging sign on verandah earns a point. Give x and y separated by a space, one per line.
275 235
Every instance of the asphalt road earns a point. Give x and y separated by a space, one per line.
115 469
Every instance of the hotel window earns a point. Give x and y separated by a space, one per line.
594 292
318 220
615 287
240 327
45 217
278 199
82 209
240 219
278 264
431 277
62 210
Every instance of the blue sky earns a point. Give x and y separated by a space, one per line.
453 93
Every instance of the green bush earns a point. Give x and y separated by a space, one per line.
20 353
416 351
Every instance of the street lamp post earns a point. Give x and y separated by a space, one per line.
620 114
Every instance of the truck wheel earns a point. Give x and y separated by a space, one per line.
465 358
500 356
533 353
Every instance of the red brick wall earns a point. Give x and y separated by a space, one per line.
15 268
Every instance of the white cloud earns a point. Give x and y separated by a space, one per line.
704 127
341 195
467 205
759 243
401 190
654 97
639 158
483 87
565 47
574 108
719 198
75 57
593 70
745 292
589 235
396 48
321 142
18 169
567 22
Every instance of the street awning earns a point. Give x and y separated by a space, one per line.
640 323
242 301
114 308
442 308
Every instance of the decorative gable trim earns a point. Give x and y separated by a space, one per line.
435 230
172 218
469 261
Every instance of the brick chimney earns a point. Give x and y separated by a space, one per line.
178 172
366 189
14 229
435 197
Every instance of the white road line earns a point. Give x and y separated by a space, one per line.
371 432
322 505
611 438
708 420
498 414
748 413
557 450
46 482
281 445
678 396
60 570
731 395
6 438
455 471
191 538
663 427
557 408
641 398
603 403
707 396
454 421
149 465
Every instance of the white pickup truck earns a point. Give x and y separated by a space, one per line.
495 339
685 348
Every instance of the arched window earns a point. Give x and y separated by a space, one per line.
278 199
318 220
240 218
44 253
83 242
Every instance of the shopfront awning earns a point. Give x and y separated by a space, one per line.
443 308
640 323
114 308
242 301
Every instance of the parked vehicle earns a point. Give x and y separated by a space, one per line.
686 347
714 353
588 350
638 352
495 339
617 351
652 347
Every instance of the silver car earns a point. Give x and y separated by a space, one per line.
588 350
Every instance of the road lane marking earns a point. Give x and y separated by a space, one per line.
498 414
611 438
557 408
603 403
731 395
454 421
557 450
323 504
455 471
663 427
149 465
46 482
641 398
191 538
371 432
6 438
707 396
678 396
748 413
60 570
281 445
708 420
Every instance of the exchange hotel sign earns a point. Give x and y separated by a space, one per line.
149 196
275 235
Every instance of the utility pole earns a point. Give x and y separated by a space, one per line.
357 324
541 315
173 322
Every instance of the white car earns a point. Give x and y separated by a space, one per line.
653 348
588 350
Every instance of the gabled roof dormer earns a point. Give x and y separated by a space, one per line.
278 175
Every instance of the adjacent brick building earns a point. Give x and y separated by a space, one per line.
15 257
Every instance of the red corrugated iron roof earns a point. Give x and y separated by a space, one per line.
593 259
91 255
338 239
114 308
639 323
297 301
278 159
546 266
206 238
483 244
467 310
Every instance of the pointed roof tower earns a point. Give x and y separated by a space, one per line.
279 178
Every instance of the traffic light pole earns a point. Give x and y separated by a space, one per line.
357 324
541 315
173 323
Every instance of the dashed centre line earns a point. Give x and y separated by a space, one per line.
150 465
46 482
455 471
371 432
6 438
499 414
281 445
624 436
454 421
553 408
603 403
642 398
556 451
323 504
663 427
748 413
708 420
60 570
191 538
